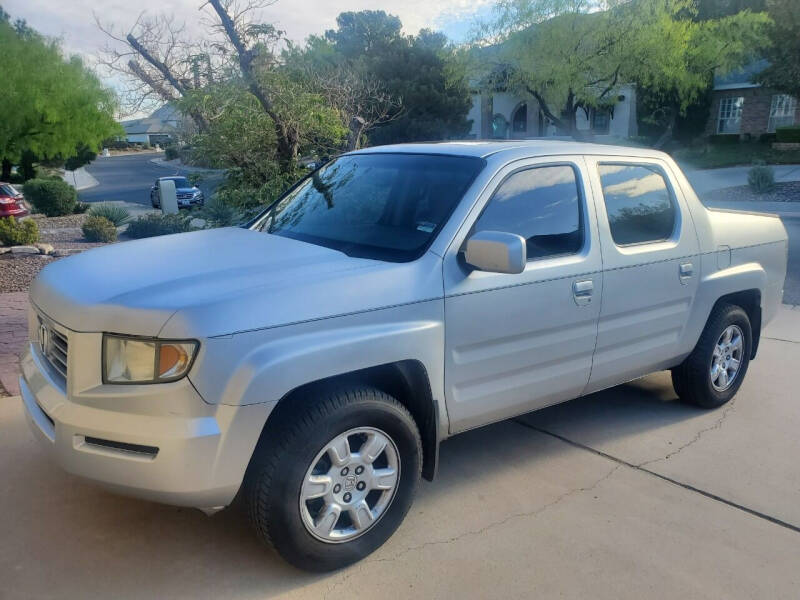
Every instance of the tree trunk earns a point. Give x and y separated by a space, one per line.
666 137
5 175
26 167
357 125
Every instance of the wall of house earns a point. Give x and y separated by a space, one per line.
622 124
755 110
138 138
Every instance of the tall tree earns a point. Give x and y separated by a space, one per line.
414 70
52 106
783 72
573 55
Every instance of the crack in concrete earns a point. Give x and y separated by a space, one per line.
686 486
781 340
472 532
717 424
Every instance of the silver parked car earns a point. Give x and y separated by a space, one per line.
316 358
188 195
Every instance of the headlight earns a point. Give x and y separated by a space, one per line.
197 194
141 360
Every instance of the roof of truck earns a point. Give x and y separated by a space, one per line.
532 147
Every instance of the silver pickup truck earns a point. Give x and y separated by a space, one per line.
313 360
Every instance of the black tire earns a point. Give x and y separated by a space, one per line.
290 444
692 378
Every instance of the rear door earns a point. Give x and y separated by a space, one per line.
650 268
516 342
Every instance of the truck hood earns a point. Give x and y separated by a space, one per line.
215 282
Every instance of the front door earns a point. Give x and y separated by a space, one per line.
650 269
514 343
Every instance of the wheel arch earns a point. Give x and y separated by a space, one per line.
406 380
750 301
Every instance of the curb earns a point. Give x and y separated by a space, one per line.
71 178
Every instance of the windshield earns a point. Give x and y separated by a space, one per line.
180 182
6 189
382 206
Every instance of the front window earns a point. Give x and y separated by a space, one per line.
181 182
381 206
541 204
781 112
601 120
730 115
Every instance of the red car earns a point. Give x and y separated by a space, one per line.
11 204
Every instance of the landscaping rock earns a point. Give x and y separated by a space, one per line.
67 251
44 248
24 250
3 250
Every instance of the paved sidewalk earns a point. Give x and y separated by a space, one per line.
80 179
13 335
707 180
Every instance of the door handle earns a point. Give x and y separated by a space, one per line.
582 292
685 272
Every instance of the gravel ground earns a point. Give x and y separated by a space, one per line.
783 192
63 233
17 273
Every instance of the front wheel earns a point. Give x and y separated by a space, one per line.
334 476
712 374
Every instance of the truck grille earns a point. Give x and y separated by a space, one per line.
184 196
54 345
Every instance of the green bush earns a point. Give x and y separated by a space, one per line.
115 213
220 214
171 152
723 139
99 229
155 224
761 178
80 208
52 197
767 138
22 233
788 135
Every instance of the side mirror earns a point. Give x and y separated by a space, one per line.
497 252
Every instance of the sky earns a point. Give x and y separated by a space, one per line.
72 20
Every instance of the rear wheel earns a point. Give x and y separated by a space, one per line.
334 476
712 374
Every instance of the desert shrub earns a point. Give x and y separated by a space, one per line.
80 208
53 197
155 224
115 213
220 214
790 135
99 229
14 233
171 152
761 178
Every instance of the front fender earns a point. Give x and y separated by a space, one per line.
265 365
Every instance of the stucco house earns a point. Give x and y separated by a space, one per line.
502 115
159 128
740 106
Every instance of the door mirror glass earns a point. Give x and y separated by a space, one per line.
496 252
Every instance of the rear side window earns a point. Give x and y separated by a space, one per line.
638 202
541 204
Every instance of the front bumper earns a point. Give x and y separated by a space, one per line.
167 445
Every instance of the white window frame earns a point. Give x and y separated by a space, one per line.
729 119
781 111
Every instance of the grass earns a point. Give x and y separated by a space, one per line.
730 155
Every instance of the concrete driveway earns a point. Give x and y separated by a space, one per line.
623 494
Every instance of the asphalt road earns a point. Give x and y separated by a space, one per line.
624 494
128 178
